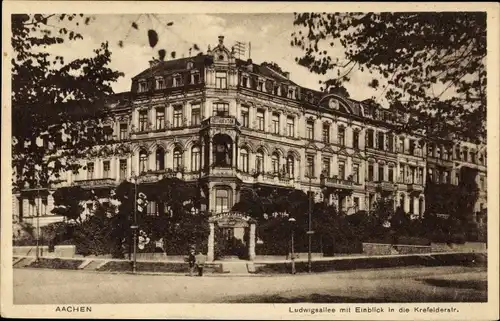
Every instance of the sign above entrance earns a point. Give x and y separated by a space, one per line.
231 217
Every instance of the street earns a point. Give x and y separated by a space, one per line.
414 284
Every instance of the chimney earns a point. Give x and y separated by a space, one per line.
221 40
286 74
250 65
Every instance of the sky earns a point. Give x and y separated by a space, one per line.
269 35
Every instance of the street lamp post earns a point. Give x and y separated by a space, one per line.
292 224
37 204
134 227
309 232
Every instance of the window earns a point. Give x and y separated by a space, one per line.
412 147
370 172
326 133
380 140
380 172
143 161
245 118
177 159
473 157
391 174
276 90
123 131
106 169
195 115
160 159
481 159
90 170
221 109
160 118
390 142
123 169
325 166
143 120
412 204
195 158
260 85
290 165
401 145
152 208
290 126
195 78
355 173
189 65
457 153
445 153
275 163
402 201
221 200
291 94
108 133
259 161
355 139
371 198
143 86
341 136
457 178
276 123
370 134
464 155
310 129
438 152
310 166
420 176
177 80
430 175
221 80
341 170
177 121
244 82
482 183
412 175
244 160
421 206
260 119
160 83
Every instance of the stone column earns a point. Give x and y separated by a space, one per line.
211 241
210 154
251 243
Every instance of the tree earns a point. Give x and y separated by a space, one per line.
58 108
69 203
433 63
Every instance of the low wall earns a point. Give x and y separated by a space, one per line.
64 251
353 263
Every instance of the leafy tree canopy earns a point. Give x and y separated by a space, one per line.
433 64
57 106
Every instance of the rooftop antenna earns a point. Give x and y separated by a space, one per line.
249 50
189 52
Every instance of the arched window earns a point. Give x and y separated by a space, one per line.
259 161
222 150
244 160
222 199
195 158
160 159
275 161
290 165
177 158
143 161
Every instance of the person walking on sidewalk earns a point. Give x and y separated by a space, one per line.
191 261
200 262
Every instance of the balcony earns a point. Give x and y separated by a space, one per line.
412 187
223 171
386 186
95 182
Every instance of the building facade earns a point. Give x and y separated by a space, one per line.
230 124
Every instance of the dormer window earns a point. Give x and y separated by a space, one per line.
160 83
244 82
276 90
291 93
260 85
177 80
143 86
195 78
190 65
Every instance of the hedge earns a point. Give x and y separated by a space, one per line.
56 264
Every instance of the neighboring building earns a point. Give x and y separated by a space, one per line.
231 124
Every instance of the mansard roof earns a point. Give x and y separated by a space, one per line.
170 66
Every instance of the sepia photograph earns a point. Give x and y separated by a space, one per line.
328 162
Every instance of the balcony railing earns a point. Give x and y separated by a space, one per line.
336 182
95 182
386 186
415 187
